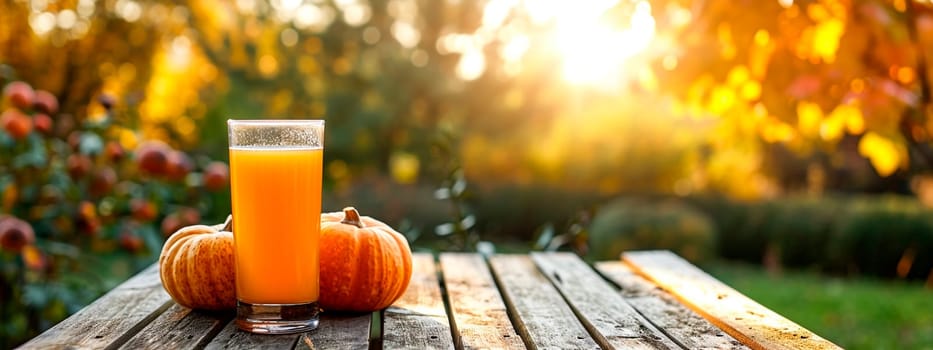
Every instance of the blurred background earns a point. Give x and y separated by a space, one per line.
782 145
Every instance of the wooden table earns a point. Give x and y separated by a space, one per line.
648 300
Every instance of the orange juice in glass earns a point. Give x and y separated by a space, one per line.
275 182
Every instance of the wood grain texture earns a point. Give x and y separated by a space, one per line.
112 319
232 337
612 322
479 314
538 312
684 326
418 320
179 328
554 301
743 318
334 331
338 331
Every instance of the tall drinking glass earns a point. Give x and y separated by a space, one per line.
275 181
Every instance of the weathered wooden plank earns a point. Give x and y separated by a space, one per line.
335 331
232 337
180 328
612 322
743 318
112 319
538 312
664 311
338 331
418 319
479 314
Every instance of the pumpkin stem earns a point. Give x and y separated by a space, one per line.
352 217
228 224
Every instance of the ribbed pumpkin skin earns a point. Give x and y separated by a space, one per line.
362 269
196 267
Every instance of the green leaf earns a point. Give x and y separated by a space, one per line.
152 238
545 236
35 295
408 230
90 144
99 122
442 193
445 229
28 159
468 222
486 248
458 187
5 140
60 248
37 148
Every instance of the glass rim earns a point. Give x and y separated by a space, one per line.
303 122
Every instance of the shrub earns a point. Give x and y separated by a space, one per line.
517 212
739 226
78 204
874 234
862 234
800 227
638 223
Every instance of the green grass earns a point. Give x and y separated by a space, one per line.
853 313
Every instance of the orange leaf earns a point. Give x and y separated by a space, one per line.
33 258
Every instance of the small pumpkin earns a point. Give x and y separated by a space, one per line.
197 267
365 264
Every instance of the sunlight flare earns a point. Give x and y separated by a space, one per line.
595 52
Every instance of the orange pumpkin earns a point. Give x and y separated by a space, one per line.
196 267
365 264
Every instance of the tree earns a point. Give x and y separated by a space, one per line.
822 78
809 73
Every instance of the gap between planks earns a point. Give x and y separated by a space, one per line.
611 321
419 318
537 310
478 315
443 287
138 314
112 319
681 324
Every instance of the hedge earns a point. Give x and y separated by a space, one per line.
848 234
640 223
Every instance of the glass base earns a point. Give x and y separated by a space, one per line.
277 318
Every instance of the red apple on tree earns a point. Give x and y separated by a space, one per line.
16 124
216 176
78 165
43 123
103 181
20 94
143 209
178 165
45 102
131 242
15 234
152 157
114 151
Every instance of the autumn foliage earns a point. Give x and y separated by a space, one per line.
825 76
112 111
74 192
